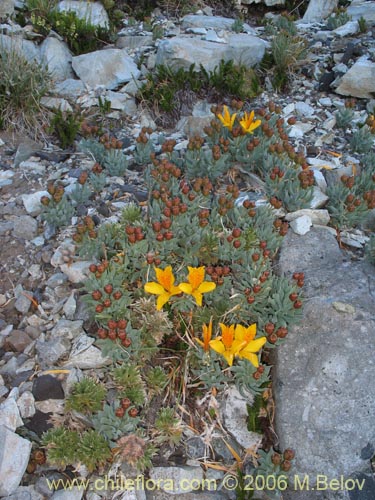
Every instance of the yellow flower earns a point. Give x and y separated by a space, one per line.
248 124
250 345
164 287
226 119
226 344
207 334
238 341
196 286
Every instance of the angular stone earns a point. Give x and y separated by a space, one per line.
301 225
14 457
235 415
90 358
26 404
76 272
32 203
56 103
359 81
93 12
24 47
133 42
25 493
23 302
47 387
110 68
51 351
6 8
319 198
323 370
56 55
207 22
70 88
67 329
9 413
18 340
25 227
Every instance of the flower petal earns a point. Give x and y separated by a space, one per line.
154 288
217 346
196 276
165 277
255 345
162 299
198 297
186 288
206 286
228 357
253 358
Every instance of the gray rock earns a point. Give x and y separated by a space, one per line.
93 12
318 10
70 306
51 351
6 8
269 3
24 47
361 8
70 88
133 42
14 457
317 216
76 272
26 404
322 386
88 359
110 68
6 178
182 478
181 52
359 81
31 202
234 411
9 413
53 103
56 55
23 302
25 227
301 225
122 102
25 493
67 329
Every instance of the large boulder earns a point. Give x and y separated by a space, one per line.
318 10
24 47
56 55
362 8
359 81
109 68
93 12
182 51
323 384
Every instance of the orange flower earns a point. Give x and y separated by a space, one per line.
164 287
207 334
226 345
196 286
250 345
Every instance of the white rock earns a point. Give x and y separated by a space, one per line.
31 202
51 406
349 28
26 404
6 177
67 329
9 414
299 129
320 180
70 306
91 358
76 272
320 217
301 225
24 47
360 8
359 81
319 198
304 109
14 457
70 88
93 12
235 415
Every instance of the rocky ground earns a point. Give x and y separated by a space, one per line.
323 384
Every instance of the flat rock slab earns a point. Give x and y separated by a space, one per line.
359 81
325 395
